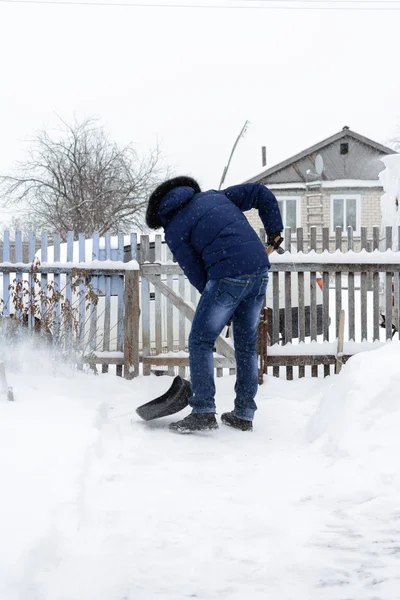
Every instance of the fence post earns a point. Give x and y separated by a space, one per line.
131 324
120 309
262 341
339 353
265 336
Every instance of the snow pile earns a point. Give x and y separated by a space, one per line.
99 505
359 415
357 423
356 426
45 437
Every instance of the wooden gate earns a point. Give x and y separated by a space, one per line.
161 276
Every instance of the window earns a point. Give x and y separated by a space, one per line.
290 208
344 148
346 212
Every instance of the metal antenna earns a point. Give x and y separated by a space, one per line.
241 134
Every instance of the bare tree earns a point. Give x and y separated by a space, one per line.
78 180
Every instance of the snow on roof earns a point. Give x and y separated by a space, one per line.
337 183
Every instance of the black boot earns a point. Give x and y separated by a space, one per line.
195 422
230 419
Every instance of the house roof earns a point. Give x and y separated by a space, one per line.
346 132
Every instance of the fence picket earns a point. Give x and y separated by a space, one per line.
158 300
301 307
6 276
182 322
263 339
31 280
388 289
338 282
275 315
364 286
80 330
106 285
170 314
325 297
288 301
18 277
313 297
351 290
145 257
93 307
397 290
375 289
131 316
68 293
119 280
43 284
81 301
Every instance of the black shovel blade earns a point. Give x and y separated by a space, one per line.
173 401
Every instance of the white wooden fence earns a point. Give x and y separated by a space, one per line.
100 333
363 284
144 310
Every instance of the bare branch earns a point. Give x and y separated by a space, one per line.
76 179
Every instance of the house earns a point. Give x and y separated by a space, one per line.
333 183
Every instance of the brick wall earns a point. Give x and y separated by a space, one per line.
370 207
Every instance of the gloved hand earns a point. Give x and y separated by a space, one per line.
274 240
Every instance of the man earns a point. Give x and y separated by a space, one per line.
223 257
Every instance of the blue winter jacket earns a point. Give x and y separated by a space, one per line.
209 235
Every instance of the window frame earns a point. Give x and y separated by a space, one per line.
298 211
345 197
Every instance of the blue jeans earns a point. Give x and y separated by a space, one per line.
242 299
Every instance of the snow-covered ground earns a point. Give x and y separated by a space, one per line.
98 505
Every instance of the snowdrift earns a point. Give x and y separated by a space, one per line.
96 504
361 406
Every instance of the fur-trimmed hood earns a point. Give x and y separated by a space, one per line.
157 209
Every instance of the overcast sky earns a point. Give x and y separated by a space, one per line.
188 78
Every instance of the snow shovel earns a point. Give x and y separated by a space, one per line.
174 400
